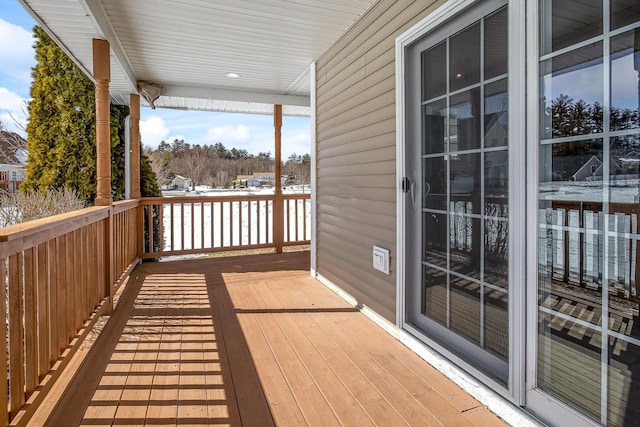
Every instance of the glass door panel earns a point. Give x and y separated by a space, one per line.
462 284
588 193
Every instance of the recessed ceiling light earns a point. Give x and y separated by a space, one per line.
233 75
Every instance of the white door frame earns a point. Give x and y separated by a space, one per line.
517 163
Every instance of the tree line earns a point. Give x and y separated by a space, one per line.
217 166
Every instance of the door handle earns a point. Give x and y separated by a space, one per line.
412 193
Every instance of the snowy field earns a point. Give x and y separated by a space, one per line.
219 224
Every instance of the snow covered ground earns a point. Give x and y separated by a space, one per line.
219 224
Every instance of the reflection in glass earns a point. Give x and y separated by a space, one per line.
496 324
465 235
465 183
496 118
569 364
465 308
572 93
464 121
624 383
434 239
495 44
464 58
561 26
571 170
434 115
435 294
496 180
496 252
623 260
435 183
624 12
434 71
624 76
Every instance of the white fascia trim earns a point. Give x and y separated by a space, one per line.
314 179
41 23
101 21
235 95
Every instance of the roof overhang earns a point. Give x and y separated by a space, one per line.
189 47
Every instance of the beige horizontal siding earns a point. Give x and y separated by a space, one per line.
355 152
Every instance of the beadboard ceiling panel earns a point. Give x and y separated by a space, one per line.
189 46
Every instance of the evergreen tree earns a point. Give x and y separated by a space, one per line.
62 127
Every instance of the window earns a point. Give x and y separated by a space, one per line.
588 232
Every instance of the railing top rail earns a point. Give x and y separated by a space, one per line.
125 205
22 236
296 196
201 199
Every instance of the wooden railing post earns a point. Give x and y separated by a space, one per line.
278 208
134 112
102 75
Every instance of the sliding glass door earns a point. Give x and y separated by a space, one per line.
459 289
588 210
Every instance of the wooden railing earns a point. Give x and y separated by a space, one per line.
61 273
190 225
125 238
59 279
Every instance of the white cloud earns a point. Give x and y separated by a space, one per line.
298 143
12 110
228 134
16 51
153 131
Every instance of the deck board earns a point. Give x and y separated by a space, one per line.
253 340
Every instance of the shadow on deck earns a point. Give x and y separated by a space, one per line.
252 340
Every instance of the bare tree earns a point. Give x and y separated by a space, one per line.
160 165
221 178
195 163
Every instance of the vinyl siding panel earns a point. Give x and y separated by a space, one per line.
355 152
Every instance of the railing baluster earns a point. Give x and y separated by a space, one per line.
4 394
53 300
240 233
182 227
62 294
297 222
43 311
249 223
211 223
202 246
193 226
30 322
222 224
172 223
16 335
231 203
68 259
258 216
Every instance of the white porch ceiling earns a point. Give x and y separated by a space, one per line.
188 47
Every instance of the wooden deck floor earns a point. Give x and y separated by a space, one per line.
252 341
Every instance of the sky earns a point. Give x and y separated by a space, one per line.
252 132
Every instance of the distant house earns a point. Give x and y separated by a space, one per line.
258 179
592 169
179 182
12 160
